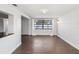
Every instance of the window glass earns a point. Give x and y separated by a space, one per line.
43 24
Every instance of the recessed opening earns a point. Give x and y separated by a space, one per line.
6 24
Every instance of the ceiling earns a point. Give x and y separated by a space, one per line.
53 10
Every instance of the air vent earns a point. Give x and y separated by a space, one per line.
14 5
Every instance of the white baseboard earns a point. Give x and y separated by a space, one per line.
15 47
69 42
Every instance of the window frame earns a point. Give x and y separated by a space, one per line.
43 26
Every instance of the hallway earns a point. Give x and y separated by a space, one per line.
44 45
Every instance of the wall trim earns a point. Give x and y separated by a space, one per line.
42 35
70 43
15 47
35 35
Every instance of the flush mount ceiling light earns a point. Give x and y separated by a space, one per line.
44 11
14 5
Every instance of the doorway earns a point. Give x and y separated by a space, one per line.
6 24
24 26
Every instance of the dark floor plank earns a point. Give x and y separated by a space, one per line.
44 45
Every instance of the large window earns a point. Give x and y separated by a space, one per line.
43 24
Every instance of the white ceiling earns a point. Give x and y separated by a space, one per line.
33 10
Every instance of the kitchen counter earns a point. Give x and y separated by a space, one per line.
2 35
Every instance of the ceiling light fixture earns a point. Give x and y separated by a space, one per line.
44 11
14 5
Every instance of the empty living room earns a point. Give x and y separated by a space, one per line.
39 28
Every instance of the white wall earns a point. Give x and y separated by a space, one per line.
45 32
10 23
30 26
1 25
68 28
25 26
9 43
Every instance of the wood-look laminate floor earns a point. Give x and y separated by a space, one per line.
44 45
